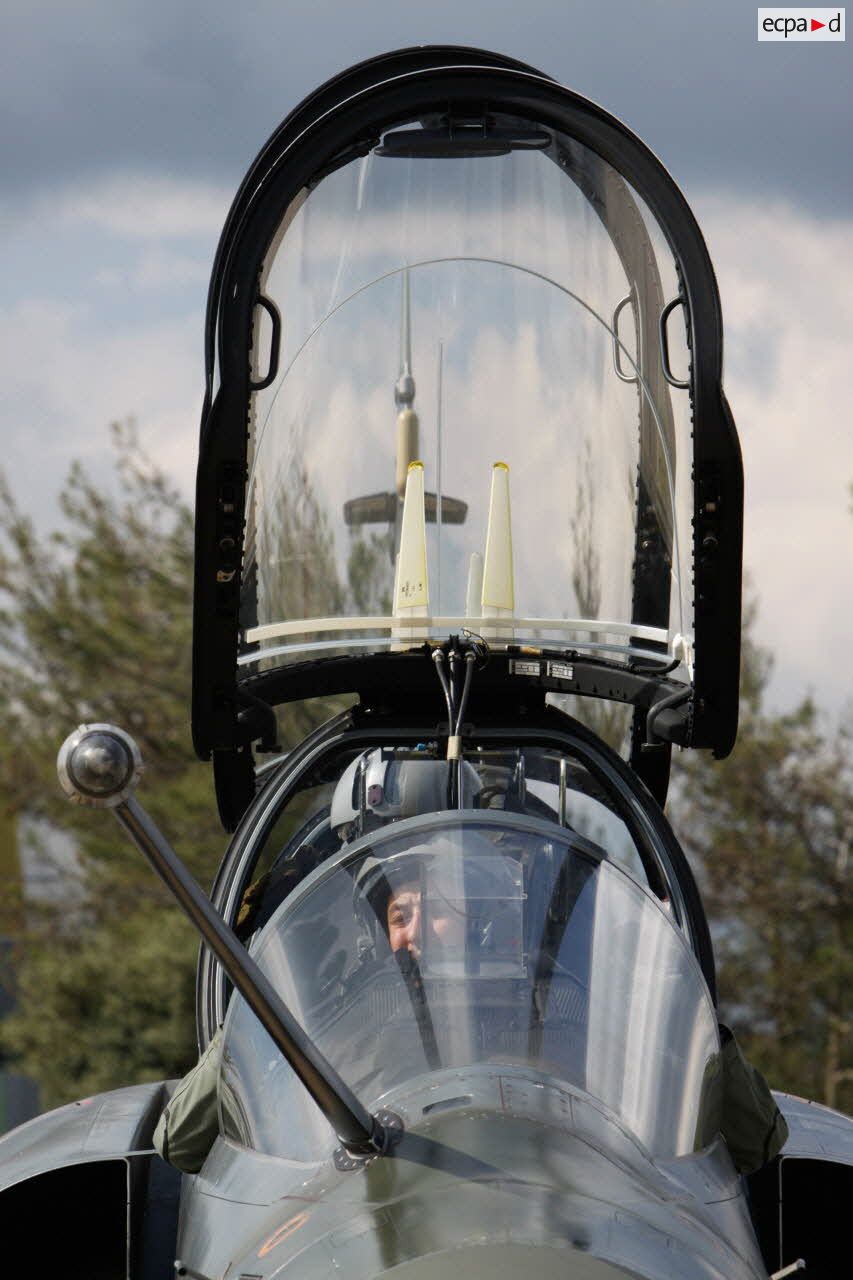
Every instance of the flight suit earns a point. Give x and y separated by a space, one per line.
751 1123
188 1127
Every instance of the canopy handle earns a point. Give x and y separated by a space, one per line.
664 345
275 342
617 344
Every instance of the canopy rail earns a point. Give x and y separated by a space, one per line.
597 626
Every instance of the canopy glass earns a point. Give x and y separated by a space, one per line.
462 310
472 941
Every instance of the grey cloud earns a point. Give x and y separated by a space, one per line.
195 88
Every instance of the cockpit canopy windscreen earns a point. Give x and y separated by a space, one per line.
493 317
487 944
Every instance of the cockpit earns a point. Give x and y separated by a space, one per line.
511 911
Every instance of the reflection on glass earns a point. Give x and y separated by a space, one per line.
468 939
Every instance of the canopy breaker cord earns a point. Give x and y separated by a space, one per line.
473 648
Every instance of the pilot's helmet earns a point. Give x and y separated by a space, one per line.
377 788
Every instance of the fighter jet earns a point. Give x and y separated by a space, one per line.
463 975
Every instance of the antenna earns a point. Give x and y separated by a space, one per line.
387 508
404 392
498 590
404 395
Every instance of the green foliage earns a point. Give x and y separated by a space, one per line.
96 625
370 570
770 829
296 548
107 1005
610 720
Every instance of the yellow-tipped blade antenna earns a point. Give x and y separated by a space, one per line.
411 588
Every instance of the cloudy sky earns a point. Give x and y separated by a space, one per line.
126 129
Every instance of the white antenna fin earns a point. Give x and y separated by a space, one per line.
396 579
474 592
411 591
498 595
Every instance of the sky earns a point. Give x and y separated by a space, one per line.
125 130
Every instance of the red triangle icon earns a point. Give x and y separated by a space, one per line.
817 25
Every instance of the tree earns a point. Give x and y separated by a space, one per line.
610 720
290 553
370 572
770 831
96 626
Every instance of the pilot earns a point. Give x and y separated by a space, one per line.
432 902
376 788
404 922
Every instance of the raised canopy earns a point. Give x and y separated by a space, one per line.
451 303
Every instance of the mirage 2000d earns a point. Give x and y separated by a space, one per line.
466 466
